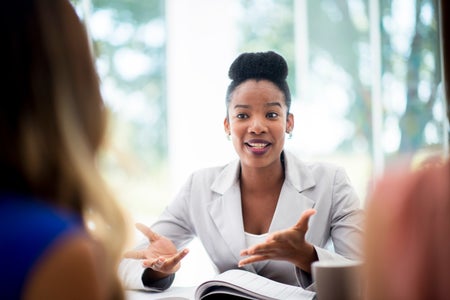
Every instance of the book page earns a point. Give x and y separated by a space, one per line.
252 286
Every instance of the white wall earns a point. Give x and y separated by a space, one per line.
200 48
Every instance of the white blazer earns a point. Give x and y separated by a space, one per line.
208 206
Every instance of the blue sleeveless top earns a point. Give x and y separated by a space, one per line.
28 228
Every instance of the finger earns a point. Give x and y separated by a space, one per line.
154 264
174 260
248 251
165 264
260 248
252 259
244 252
302 223
152 236
180 255
263 250
135 254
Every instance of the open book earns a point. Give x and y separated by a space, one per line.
247 285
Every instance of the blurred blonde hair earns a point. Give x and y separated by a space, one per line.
55 121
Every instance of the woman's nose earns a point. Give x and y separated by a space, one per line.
258 126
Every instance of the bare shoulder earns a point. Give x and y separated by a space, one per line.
71 269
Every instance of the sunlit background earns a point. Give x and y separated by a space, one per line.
365 77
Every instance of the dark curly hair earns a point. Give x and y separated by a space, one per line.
259 65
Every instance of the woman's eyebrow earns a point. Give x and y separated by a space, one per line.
267 104
273 104
242 106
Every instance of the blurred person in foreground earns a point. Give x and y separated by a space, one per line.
408 231
52 122
254 213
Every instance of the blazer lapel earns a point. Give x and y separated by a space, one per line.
292 202
226 209
290 206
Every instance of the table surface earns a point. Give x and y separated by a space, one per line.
173 293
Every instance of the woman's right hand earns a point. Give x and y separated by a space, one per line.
161 255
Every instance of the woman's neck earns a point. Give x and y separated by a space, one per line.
262 179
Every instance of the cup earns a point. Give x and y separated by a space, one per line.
338 279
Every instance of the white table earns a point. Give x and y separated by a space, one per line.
173 293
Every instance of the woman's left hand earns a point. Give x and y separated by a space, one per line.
289 245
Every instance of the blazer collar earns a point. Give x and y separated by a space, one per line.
297 174
229 176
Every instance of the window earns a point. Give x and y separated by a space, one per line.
365 76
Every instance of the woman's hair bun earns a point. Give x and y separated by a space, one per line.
259 65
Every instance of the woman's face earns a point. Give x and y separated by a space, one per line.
257 122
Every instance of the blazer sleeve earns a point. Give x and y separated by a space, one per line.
343 225
347 221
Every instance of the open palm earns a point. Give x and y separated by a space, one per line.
161 254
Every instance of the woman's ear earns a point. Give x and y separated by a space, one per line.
290 123
226 125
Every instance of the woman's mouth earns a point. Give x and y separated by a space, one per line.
258 147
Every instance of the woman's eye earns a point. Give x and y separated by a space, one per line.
242 116
272 115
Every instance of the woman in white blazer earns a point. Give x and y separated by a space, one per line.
267 212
